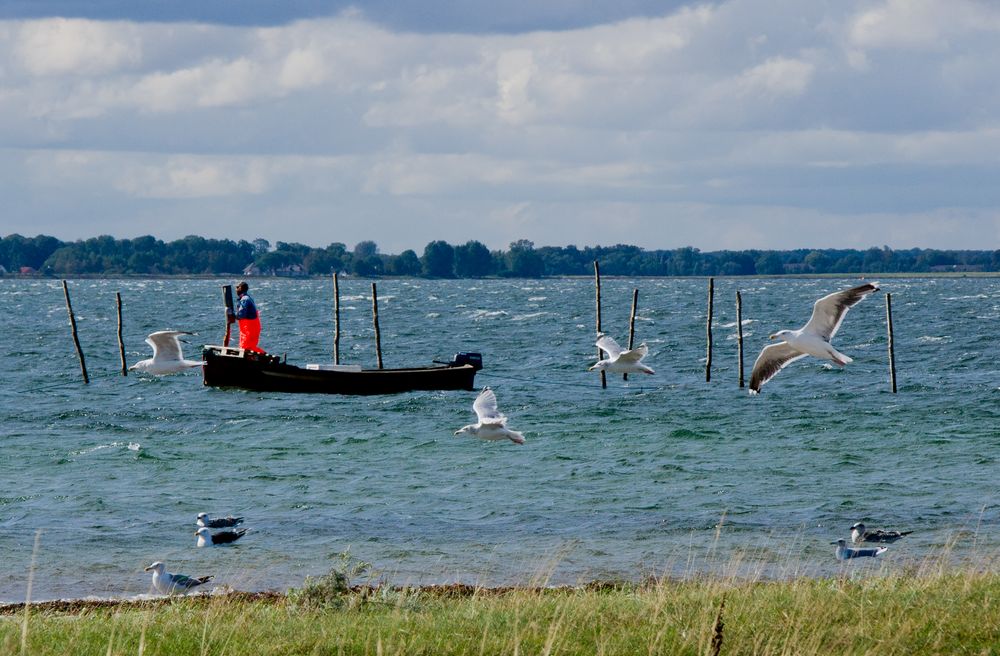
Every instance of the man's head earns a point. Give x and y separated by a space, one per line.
242 287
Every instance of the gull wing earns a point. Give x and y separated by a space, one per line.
186 582
166 345
609 346
771 360
485 406
635 355
829 311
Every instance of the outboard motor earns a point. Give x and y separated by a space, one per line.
475 359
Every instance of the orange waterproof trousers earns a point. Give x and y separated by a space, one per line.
250 334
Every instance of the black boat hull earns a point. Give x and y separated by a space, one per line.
228 367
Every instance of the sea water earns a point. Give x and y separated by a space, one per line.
659 475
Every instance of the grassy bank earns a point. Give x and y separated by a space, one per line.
947 613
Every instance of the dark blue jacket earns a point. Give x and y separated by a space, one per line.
246 308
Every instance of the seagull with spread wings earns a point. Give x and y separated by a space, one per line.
620 361
492 425
167 356
811 339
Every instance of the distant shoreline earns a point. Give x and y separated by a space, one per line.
346 276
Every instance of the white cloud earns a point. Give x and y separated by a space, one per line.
714 115
61 46
921 24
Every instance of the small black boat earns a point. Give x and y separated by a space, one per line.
235 367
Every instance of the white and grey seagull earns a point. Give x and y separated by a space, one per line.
860 534
619 360
811 339
208 539
845 552
166 583
492 425
218 522
167 356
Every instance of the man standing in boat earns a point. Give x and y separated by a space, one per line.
248 318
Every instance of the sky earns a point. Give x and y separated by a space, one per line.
734 124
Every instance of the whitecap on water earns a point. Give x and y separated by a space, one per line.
487 314
134 446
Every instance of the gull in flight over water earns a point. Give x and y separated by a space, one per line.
167 356
166 583
811 339
845 552
620 361
208 539
219 522
492 425
859 534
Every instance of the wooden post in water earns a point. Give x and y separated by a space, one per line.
892 350
708 330
378 334
227 300
739 332
597 285
336 319
121 340
76 339
631 324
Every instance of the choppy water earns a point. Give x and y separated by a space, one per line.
624 482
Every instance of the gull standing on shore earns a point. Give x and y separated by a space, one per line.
492 425
811 339
620 361
845 552
167 356
859 534
166 583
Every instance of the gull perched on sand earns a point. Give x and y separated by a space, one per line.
166 583
620 361
492 425
208 539
167 356
811 339
845 552
859 534
219 522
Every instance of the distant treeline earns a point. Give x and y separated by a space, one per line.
197 255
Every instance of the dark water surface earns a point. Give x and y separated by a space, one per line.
625 482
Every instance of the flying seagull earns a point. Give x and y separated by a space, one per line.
845 552
859 534
167 357
811 339
219 522
620 361
208 539
492 425
166 583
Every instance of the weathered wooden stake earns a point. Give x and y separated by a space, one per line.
227 300
378 334
708 330
76 339
597 285
121 340
739 332
631 324
892 350
336 319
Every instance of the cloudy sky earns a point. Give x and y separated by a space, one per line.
721 125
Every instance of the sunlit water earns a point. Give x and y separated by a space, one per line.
618 483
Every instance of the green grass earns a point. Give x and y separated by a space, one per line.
929 613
